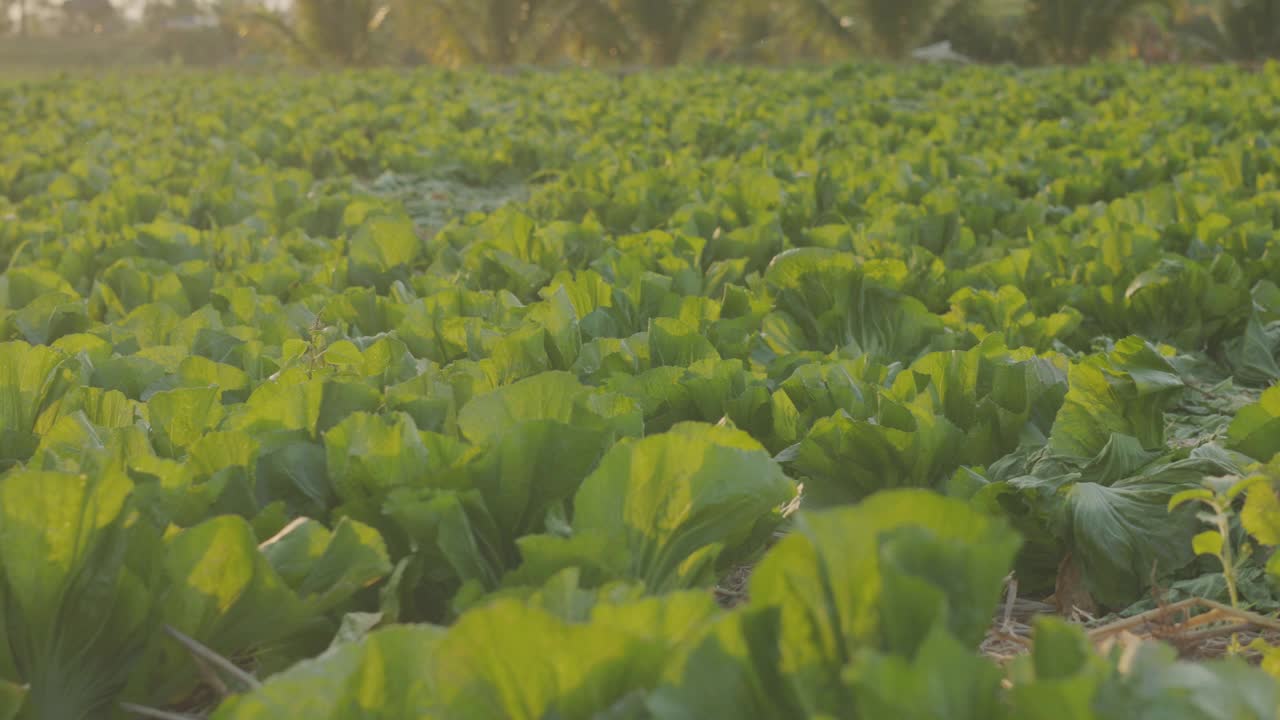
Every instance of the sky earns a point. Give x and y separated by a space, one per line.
132 9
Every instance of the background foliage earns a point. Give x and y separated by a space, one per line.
653 32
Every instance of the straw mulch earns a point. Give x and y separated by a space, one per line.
1198 628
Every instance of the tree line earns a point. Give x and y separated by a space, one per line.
666 32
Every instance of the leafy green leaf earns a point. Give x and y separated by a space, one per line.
484 670
1122 532
381 246
33 381
1158 685
942 679
1208 542
1255 355
846 460
1061 678
326 568
833 302
77 603
179 417
547 396
343 353
1255 431
1260 515
734 672
368 455
667 498
384 677
1122 393
851 578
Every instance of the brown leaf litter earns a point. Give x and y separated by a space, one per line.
1197 628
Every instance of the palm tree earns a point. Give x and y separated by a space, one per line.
985 30
660 32
337 29
1250 28
780 30
888 28
1073 31
24 10
491 32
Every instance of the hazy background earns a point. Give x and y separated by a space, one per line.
57 34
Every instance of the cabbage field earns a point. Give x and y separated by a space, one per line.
858 392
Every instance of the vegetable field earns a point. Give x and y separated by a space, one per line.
710 393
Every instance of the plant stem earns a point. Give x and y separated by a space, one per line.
1227 559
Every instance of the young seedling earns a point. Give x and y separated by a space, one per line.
1218 495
